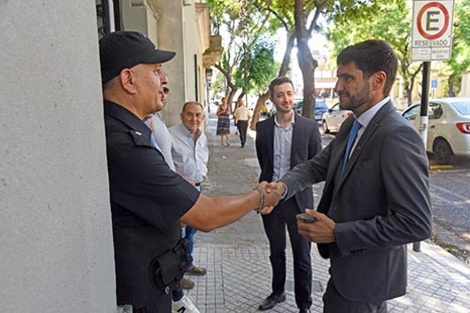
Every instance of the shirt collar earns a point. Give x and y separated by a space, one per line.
127 117
279 125
187 132
368 115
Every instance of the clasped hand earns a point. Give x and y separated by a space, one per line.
271 196
321 231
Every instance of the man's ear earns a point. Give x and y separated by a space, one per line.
128 81
379 79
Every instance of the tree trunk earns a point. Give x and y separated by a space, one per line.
409 95
286 59
451 85
257 111
306 61
230 96
240 97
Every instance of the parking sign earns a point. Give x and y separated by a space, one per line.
432 30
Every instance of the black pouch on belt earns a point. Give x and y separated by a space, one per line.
168 269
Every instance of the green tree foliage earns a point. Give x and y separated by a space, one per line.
460 60
258 18
247 61
257 68
393 25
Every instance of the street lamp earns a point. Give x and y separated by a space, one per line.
209 73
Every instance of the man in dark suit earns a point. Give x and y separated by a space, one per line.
283 141
376 197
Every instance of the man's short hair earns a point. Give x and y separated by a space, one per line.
191 102
372 56
276 82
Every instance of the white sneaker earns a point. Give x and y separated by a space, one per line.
184 305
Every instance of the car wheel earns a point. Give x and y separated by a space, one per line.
443 152
325 127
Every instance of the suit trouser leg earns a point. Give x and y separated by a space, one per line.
333 302
275 229
302 259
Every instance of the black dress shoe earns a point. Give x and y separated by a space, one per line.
304 311
271 301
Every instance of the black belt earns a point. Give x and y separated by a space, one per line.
197 184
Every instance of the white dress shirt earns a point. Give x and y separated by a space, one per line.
282 148
190 158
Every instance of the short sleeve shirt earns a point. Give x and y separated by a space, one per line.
140 180
242 114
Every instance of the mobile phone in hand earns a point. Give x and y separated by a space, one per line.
304 217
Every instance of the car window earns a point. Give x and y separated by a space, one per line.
434 111
411 113
462 107
335 108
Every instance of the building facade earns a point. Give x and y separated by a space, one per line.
56 234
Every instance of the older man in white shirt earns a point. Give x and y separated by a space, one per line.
190 156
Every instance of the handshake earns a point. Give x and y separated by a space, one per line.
314 226
271 194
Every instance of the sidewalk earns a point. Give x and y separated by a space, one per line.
237 256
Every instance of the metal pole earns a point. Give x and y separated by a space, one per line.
423 126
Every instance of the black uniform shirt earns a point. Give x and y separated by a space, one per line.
147 200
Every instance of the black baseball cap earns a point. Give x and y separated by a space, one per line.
126 49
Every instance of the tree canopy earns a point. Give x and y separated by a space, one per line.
360 23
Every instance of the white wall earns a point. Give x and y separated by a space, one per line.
55 234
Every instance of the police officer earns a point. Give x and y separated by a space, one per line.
148 200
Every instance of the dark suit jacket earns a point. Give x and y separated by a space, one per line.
379 204
306 143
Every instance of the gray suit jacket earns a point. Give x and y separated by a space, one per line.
380 203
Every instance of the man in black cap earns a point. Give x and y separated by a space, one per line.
148 200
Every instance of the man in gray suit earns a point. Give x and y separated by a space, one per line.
376 197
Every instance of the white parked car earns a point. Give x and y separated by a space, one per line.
448 127
333 118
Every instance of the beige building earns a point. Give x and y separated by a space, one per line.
56 235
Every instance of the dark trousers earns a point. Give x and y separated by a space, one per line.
335 303
242 128
275 228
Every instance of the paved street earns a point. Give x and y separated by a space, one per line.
451 209
237 256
